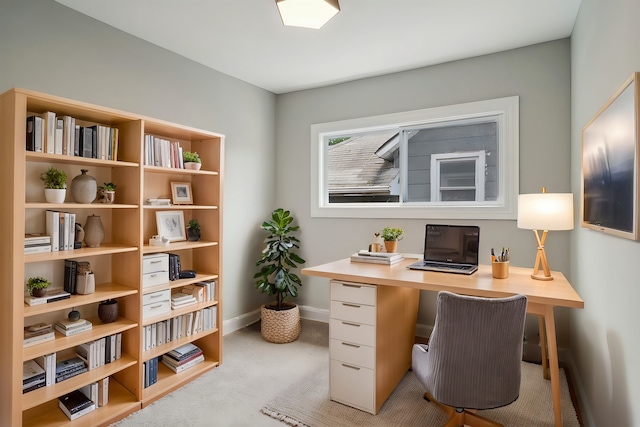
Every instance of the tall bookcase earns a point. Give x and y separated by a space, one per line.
117 263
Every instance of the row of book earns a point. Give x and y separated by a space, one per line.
183 357
185 325
385 258
45 371
61 226
36 242
149 372
101 351
84 400
162 152
71 271
48 133
37 334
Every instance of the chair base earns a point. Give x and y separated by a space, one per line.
460 419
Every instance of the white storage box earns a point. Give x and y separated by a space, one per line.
156 303
155 270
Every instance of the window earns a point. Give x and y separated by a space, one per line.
454 162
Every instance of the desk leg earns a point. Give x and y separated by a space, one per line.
543 347
550 324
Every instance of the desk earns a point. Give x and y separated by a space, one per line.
543 297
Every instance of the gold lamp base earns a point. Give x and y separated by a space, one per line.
541 259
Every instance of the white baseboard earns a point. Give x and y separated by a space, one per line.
566 357
232 325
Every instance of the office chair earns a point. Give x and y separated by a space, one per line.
473 357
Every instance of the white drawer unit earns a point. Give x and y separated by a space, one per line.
156 303
352 345
155 270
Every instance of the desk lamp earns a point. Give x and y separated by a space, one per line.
544 211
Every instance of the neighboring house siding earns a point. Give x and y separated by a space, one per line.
450 140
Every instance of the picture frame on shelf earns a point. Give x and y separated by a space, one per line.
181 193
170 224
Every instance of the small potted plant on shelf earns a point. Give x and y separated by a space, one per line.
55 185
37 286
193 230
191 160
391 236
107 193
280 320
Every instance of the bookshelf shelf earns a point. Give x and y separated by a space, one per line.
116 264
160 350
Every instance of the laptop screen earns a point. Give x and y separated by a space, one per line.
452 243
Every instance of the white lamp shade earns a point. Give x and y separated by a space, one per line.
307 13
545 211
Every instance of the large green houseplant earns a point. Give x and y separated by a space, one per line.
280 319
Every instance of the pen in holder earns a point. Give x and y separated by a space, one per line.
500 264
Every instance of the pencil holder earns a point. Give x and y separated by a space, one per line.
500 270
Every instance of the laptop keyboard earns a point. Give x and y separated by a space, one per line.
447 266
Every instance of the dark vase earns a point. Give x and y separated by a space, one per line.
108 311
38 293
193 235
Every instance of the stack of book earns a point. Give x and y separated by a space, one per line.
386 258
36 243
71 327
69 368
183 357
33 376
38 333
179 300
50 296
75 404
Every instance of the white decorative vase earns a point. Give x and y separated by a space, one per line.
55 195
193 165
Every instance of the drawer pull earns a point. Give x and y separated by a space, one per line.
156 306
351 305
351 367
155 262
350 324
351 286
156 296
350 345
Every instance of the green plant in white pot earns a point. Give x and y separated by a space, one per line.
191 160
55 185
280 319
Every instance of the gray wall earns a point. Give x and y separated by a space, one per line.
604 269
539 74
49 48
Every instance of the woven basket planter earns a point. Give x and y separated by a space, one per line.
280 326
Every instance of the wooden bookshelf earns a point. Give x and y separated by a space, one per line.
117 263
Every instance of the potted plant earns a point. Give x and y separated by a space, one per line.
193 230
391 236
108 191
37 286
55 185
280 319
191 160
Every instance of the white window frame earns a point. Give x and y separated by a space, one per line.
505 109
478 185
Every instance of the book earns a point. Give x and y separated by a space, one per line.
170 360
70 271
30 141
38 339
36 238
184 351
68 324
196 291
49 131
75 404
50 296
181 368
48 363
103 391
31 371
375 259
53 229
59 136
70 374
91 391
74 331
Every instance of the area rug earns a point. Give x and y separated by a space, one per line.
307 404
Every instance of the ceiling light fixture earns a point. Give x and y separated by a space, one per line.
307 13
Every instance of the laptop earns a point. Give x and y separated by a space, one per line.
450 249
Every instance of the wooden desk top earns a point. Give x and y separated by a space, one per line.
557 292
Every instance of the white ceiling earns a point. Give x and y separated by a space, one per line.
246 38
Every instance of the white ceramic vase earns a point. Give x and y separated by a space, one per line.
193 165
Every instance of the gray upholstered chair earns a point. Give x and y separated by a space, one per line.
473 357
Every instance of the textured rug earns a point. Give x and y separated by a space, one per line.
307 403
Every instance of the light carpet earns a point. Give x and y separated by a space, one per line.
307 403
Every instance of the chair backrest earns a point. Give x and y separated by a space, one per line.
475 350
